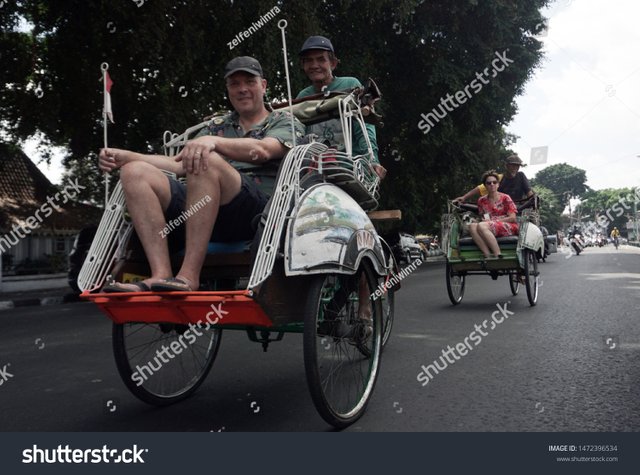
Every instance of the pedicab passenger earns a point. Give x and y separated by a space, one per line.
498 213
513 183
319 60
231 165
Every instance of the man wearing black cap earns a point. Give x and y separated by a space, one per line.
513 183
318 62
230 165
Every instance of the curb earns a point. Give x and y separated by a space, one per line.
39 302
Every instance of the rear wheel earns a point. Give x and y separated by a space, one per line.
387 300
341 356
514 283
531 276
455 285
157 371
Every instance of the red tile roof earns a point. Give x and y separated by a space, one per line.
24 189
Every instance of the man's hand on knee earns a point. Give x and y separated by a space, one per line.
195 154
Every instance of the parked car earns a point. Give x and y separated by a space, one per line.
409 249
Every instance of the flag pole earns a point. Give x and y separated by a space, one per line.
104 67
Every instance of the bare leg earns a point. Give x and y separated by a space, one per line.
221 183
489 238
477 238
148 194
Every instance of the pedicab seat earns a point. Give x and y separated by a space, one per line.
235 247
506 241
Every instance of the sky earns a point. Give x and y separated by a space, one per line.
583 103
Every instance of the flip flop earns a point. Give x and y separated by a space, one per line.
172 284
118 287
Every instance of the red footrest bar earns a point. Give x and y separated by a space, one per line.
219 307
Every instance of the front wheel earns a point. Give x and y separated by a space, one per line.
341 348
163 363
514 283
531 276
455 285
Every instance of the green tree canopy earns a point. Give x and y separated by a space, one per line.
564 180
611 206
550 208
166 59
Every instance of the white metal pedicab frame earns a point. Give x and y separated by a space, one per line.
520 254
318 260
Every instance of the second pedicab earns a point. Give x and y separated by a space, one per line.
520 253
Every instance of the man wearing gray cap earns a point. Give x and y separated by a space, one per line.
318 62
231 165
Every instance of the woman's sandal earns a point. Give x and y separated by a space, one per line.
172 284
125 287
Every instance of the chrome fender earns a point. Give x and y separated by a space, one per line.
530 237
330 233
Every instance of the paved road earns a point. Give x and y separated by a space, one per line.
572 363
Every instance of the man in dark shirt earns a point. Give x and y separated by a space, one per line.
513 183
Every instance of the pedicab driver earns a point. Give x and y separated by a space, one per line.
230 167
319 60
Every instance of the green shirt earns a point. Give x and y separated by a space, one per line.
277 125
331 130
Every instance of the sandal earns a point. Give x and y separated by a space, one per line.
119 287
172 284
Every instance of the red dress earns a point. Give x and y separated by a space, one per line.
503 207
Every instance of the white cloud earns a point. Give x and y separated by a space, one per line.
584 103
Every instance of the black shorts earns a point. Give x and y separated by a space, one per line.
235 220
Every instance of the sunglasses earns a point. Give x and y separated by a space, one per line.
491 183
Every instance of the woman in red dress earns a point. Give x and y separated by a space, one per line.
498 213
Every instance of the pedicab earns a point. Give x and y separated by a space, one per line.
520 253
315 261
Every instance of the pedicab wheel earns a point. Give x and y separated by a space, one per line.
341 357
514 283
531 276
157 380
455 285
388 301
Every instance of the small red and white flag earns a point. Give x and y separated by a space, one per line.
107 96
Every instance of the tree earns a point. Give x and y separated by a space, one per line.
550 208
564 180
166 59
609 207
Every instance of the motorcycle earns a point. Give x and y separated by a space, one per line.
576 243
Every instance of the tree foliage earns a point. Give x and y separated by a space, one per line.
564 180
611 206
166 59
550 208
